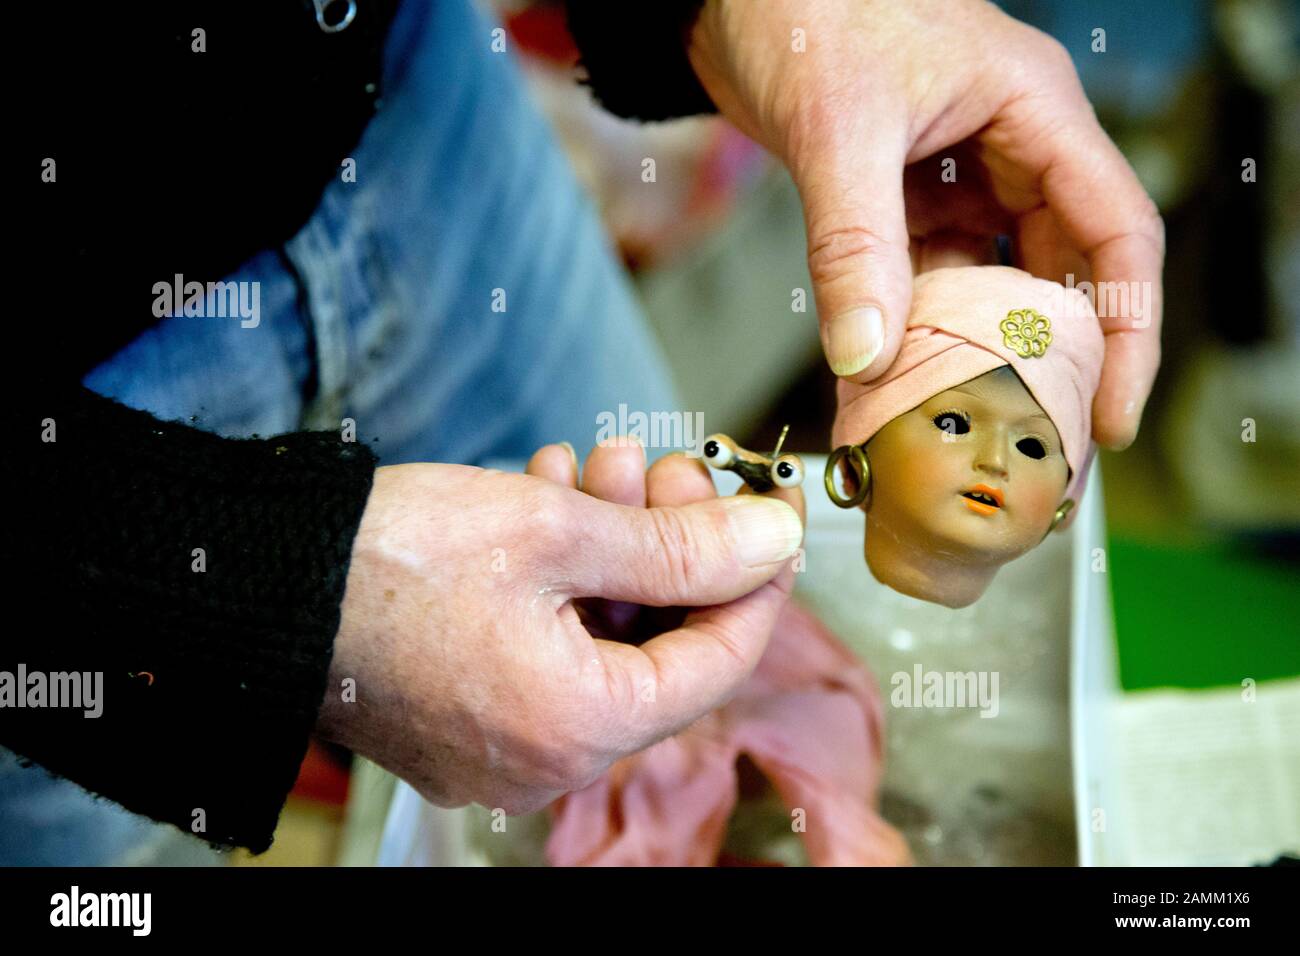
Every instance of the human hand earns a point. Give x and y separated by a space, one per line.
475 679
617 473
888 84
808 690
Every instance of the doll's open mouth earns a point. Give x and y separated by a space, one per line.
983 500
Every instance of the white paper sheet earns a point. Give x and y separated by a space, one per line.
1210 777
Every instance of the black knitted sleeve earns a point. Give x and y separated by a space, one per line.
202 577
637 65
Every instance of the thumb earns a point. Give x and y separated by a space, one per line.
695 555
851 187
674 679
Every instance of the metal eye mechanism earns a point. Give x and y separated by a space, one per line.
760 472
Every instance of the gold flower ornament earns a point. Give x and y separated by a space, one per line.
1026 332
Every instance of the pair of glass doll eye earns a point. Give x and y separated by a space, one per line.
784 471
957 423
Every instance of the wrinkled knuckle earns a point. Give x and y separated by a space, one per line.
545 521
1053 55
841 251
735 647
1153 224
681 565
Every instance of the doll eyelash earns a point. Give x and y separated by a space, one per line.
956 414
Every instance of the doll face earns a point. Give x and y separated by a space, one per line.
960 485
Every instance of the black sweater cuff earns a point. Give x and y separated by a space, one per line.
202 577
637 66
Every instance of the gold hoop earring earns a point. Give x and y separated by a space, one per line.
1066 507
857 457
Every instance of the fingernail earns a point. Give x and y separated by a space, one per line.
854 339
766 530
572 454
1133 410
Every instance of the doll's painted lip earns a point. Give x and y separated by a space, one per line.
983 499
979 507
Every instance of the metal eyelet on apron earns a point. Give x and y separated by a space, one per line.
348 16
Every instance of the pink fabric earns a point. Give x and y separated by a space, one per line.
954 334
810 718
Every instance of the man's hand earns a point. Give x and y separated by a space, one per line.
617 472
475 680
884 84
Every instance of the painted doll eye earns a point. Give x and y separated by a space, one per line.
952 423
717 451
787 472
1031 448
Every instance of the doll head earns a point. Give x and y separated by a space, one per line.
975 443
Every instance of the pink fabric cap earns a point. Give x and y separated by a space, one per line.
811 720
956 333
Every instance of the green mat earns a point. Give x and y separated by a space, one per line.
1202 617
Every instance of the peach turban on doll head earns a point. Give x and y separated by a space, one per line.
970 320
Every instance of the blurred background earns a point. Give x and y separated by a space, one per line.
1202 514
